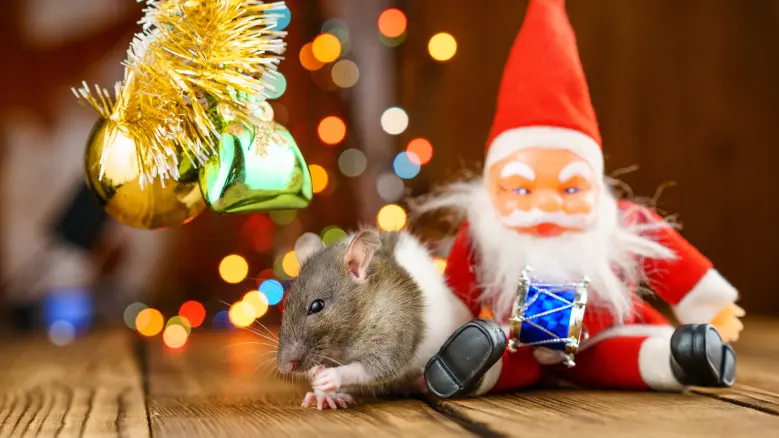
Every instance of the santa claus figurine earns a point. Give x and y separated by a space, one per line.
543 202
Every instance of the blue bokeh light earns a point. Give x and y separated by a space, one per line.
404 167
284 19
222 320
273 291
74 306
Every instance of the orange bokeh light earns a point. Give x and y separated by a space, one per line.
175 336
420 151
319 178
392 23
326 48
331 130
307 58
194 312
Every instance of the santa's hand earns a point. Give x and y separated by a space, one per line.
728 323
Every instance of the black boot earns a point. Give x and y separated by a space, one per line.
700 358
466 356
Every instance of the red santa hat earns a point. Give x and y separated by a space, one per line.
544 101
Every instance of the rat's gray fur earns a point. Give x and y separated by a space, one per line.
378 322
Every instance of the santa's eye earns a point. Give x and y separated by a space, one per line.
522 191
571 191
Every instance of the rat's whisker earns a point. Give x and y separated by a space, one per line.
262 335
266 329
245 343
329 358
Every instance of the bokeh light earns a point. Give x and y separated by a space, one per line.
61 333
290 264
278 85
273 291
258 301
265 274
352 162
285 17
333 234
342 33
442 46
391 217
131 312
259 229
345 73
221 320
331 130
149 322
318 177
241 314
282 217
392 23
392 42
194 312
233 269
326 48
307 59
179 320
333 23
420 151
390 187
175 336
278 268
440 264
394 120
405 167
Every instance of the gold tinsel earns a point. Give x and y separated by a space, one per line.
190 56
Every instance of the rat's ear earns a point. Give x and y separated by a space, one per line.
306 246
360 253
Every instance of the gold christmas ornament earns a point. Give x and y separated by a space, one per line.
113 173
190 54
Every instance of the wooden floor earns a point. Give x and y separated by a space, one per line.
114 384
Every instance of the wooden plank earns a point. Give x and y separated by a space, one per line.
92 387
757 384
566 413
753 403
220 384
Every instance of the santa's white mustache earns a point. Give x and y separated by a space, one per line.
532 218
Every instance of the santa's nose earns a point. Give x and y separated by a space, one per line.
548 201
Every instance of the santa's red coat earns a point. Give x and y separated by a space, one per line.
688 283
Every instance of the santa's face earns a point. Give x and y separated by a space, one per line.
544 192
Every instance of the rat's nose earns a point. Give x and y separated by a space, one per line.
293 365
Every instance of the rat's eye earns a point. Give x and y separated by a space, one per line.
316 306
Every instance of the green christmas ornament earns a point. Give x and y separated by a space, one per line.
258 168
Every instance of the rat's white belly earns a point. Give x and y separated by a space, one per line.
443 312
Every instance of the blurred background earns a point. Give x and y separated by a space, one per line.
687 90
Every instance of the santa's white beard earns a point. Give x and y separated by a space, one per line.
608 252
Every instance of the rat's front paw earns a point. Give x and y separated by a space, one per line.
323 400
326 380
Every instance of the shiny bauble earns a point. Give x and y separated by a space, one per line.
119 190
257 168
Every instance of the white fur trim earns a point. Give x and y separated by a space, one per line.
706 299
627 331
550 137
443 312
546 356
490 378
654 364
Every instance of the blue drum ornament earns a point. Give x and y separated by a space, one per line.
548 315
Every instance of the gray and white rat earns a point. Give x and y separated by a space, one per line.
365 313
